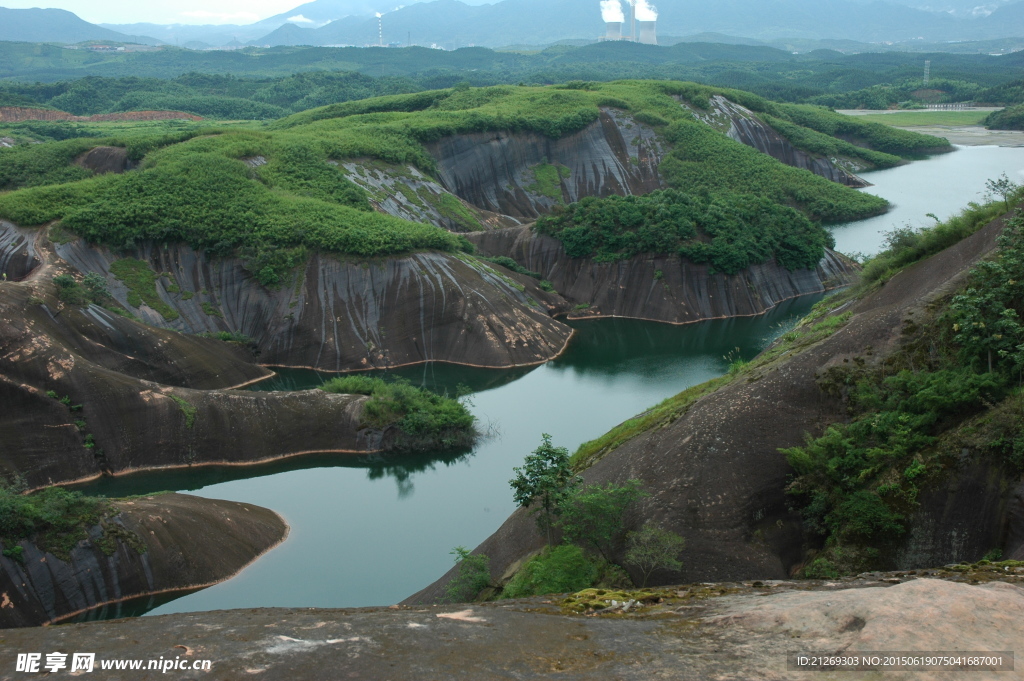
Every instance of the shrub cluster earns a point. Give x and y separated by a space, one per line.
731 232
955 385
425 420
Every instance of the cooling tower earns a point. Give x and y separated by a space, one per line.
647 34
614 30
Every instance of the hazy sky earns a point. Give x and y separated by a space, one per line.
177 12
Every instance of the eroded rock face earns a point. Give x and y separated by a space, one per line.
340 315
188 542
496 171
17 252
102 160
406 193
661 288
127 420
745 127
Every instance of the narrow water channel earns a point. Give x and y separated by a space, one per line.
372 531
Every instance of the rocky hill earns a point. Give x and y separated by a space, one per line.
145 546
713 463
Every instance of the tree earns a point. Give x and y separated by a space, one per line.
473 576
592 515
546 477
1002 186
652 548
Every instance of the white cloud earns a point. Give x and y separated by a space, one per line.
299 19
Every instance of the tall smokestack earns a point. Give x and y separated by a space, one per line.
611 13
647 15
647 33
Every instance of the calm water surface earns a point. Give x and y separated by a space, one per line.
942 185
374 530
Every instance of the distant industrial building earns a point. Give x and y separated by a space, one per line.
641 12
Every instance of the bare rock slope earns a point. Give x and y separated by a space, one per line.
174 542
717 477
688 633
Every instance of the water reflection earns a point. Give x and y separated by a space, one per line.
354 542
401 467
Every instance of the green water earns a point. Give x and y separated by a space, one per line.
374 530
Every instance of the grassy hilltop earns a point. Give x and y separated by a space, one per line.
270 193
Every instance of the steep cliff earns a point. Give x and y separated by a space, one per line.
405 192
712 463
17 252
523 175
167 542
743 125
341 315
662 288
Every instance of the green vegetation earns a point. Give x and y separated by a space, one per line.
270 196
705 162
423 420
54 519
908 119
140 279
1011 118
228 337
258 82
653 548
882 138
905 246
453 209
187 409
731 232
559 569
199 192
473 576
547 180
590 452
593 515
954 385
545 478
31 165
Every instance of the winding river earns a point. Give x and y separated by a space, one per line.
373 530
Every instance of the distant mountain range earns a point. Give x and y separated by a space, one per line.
58 26
453 23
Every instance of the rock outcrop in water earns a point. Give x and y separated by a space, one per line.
662 288
167 542
717 477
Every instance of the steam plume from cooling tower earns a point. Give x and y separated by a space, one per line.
646 11
611 11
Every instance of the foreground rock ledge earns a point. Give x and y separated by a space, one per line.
704 631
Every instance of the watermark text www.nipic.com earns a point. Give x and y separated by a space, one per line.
86 662
878 660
